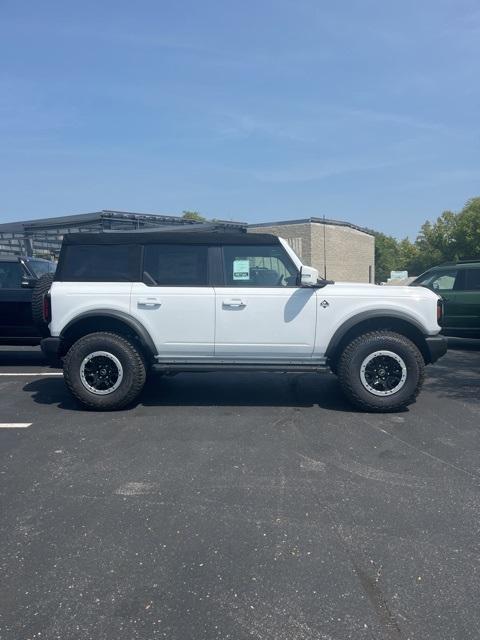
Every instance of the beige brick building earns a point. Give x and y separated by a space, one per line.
342 251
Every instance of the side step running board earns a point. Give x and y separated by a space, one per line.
240 366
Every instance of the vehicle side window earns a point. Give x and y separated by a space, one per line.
39 268
10 275
100 263
258 266
472 280
442 281
173 265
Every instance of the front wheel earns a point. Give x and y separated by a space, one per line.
104 371
381 371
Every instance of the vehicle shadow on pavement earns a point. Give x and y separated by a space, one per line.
52 391
215 389
457 376
246 389
463 344
21 357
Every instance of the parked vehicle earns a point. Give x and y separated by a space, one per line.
458 283
18 277
122 304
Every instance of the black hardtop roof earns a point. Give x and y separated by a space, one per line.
169 237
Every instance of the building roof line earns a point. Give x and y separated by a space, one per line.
327 221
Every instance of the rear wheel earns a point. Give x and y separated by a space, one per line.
381 371
104 371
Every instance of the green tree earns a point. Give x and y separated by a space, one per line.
408 255
436 241
193 215
467 230
450 237
386 256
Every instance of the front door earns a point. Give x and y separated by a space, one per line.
261 312
445 282
174 302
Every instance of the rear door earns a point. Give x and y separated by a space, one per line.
175 301
260 311
467 300
15 303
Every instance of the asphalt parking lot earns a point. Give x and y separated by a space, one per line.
239 506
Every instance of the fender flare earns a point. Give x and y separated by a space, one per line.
126 319
344 328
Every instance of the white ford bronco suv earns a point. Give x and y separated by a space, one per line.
123 303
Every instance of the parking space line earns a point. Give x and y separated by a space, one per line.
15 425
59 373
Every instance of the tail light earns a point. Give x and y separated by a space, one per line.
439 310
47 308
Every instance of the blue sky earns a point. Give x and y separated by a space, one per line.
259 110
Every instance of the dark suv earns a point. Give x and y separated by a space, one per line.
458 283
18 277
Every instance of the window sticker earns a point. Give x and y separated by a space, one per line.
241 270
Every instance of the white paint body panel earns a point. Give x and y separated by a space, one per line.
71 299
346 300
180 320
269 322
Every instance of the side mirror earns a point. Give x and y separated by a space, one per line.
308 276
28 282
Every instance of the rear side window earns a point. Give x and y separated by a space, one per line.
472 280
100 263
41 267
173 265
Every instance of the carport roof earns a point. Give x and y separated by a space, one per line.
21 226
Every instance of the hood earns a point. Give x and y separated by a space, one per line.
383 291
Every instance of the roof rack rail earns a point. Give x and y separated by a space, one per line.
451 263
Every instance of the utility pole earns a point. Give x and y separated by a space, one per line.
324 250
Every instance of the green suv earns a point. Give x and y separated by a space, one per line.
458 283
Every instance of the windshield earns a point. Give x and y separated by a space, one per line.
40 267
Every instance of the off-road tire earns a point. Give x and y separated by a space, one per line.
354 354
41 288
132 361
